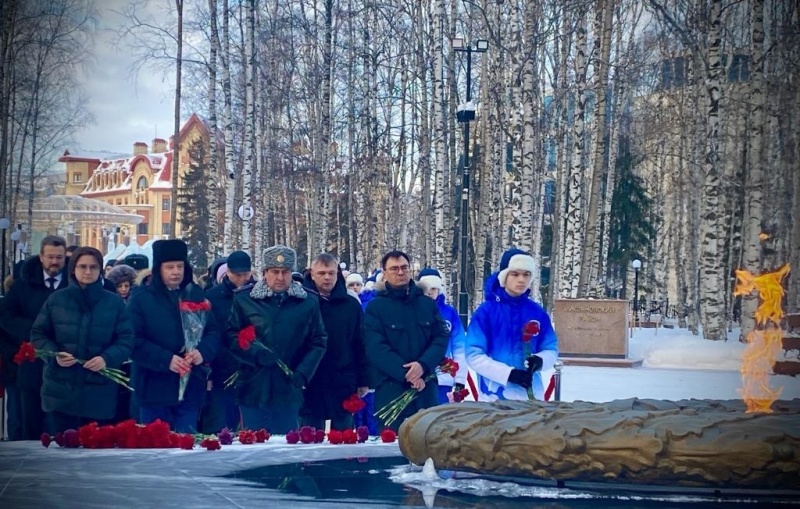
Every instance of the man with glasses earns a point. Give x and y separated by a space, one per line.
406 338
39 277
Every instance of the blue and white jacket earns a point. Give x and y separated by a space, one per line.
455 348
494 342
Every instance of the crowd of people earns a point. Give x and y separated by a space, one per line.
228 349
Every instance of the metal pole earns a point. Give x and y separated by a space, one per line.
463 299
3 280
557 375
635 296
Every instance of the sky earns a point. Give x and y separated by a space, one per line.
127 107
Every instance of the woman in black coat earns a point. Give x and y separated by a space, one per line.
82 321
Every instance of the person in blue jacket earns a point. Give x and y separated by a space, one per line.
430 282
495 349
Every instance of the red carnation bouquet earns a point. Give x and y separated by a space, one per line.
393 409
529 331
247 339
194 316
27 353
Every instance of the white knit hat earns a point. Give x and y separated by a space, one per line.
514 259
354 278
430 278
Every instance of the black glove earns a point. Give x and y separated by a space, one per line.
458 387
534 363
266 358
520 377
298 380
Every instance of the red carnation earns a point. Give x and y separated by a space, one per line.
529 330
353 404
174 440
72 439
335 437
262 436
187 442
194 307
210 444
45 438
247 437
26 353
246 337
292 437
448 367
307 434
363 434
388 436
460 395
320 436
349 436
59 439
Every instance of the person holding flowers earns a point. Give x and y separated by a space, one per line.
175 335
430 282
276 332
343 370
406 339
510 338
87 332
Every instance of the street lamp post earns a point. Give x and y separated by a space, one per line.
4 224
465 114
636 264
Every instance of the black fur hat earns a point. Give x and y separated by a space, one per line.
171 250
137 261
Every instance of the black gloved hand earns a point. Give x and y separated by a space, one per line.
298 380
520 377
458 387
534 363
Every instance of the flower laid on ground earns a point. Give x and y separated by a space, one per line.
125 435
193 319
335 437
388 436
225 437
262 436
394 408
529 331
247 437
349 436
211 444
246 339
293 437
362 432
27 353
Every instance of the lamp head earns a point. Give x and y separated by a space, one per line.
458 42
636 264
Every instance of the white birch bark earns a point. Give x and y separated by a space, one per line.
441 177
227 124
249 137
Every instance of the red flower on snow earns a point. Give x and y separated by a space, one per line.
530 329
262 436
26 353
349 436
335 437
388 436
353 404
210 444
194 307
246 337
45 438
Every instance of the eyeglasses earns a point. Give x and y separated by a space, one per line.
402 268
51 258
87 268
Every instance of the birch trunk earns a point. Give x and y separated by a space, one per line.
573 238
249 127
441 178
176 142
754 180
227 125
592 266
712 301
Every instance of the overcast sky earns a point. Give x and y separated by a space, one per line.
126 109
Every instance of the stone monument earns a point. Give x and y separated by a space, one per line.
592 331
695 443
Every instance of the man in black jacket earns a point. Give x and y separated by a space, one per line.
343 370
159 355
287 322
39 277
221 410
406 338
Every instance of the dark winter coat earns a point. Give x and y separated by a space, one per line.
86 323
344 366
402 326
221 298
18 310
291 328
158 331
